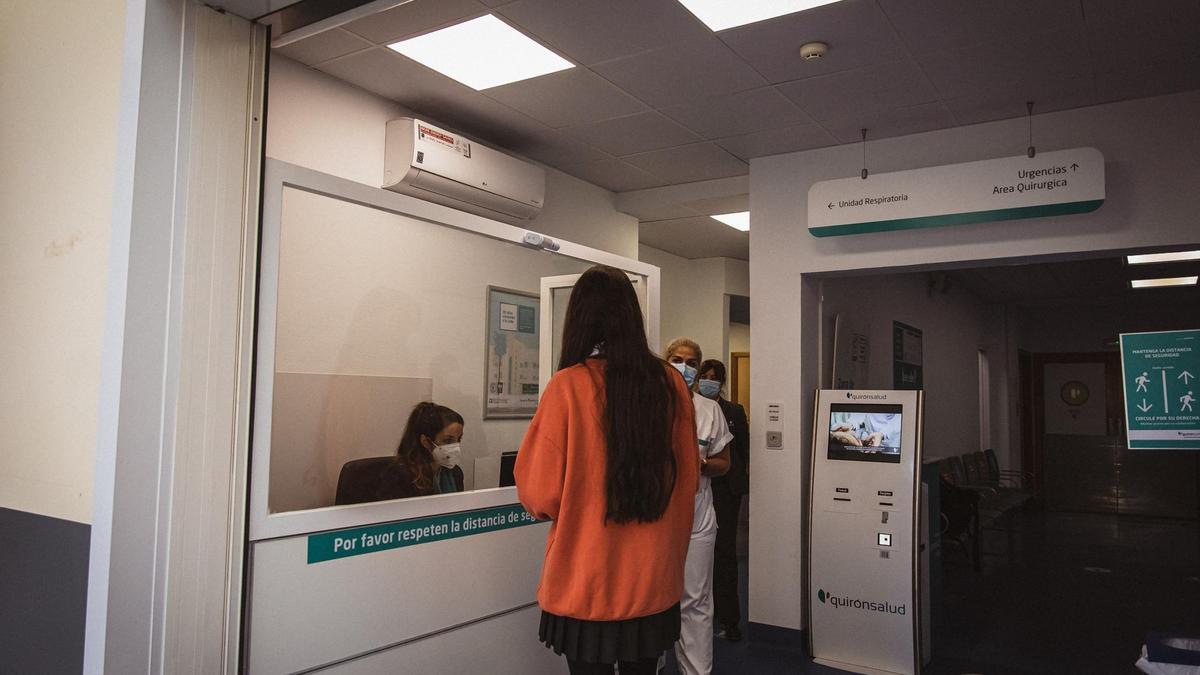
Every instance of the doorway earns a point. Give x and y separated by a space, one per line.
1023 360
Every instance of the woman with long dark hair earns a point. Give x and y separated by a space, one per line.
611 459
429 451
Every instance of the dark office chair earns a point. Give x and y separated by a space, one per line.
360 480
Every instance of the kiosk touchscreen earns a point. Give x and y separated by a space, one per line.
863 538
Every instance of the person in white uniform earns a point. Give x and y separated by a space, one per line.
693 651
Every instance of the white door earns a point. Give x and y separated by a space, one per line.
556 292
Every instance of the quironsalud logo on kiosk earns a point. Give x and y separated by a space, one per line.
848 602
866 397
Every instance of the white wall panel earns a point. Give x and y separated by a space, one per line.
504 645
303 616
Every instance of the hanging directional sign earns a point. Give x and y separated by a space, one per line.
1050 184
1159 372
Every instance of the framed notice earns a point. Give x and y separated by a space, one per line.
907 357
511 389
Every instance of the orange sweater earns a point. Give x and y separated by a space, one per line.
594 570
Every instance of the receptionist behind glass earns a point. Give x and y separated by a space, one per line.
425 463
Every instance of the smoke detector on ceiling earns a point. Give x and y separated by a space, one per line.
813 50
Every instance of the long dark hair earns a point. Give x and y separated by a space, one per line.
426 419
639 394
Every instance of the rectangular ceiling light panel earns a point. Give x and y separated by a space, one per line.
1174 256
482 53
1159 283
722 14
738 221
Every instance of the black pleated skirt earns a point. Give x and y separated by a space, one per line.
610 641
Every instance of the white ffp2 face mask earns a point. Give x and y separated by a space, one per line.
447 456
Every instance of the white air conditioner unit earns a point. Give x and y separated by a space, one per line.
439 166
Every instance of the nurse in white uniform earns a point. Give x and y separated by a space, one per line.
693 652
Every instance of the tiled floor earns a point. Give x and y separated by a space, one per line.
1075 596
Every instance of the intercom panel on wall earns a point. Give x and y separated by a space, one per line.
862 547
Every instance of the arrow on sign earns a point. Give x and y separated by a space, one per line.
1185 375
1145 406
1074 166
831 205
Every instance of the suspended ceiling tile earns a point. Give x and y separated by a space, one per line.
931 25
1007 65
487 120
695 237
1047 95
1141 34
740 113
614 175
384 72
633 134
569 97
324 46
681 72
438 99
857 32
895 84
778 141
418 16
894 122
590 32
1156 80
690 163
557 149
662 212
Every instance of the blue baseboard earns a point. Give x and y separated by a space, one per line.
778 636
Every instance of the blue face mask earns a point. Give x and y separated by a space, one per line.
688 372
710 388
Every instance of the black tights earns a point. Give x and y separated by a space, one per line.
639 667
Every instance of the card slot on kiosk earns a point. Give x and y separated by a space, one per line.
862 553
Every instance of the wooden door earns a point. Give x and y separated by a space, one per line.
739 379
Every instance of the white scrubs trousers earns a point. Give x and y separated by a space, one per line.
694 650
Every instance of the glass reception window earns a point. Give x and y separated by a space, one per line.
378 311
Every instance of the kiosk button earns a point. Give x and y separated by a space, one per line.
884 539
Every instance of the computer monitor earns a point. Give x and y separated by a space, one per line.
508 460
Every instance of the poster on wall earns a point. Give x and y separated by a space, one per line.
1159 372
851 353
512 354
906 357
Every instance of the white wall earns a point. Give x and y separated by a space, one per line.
58 138
1151 150
322 123
694 298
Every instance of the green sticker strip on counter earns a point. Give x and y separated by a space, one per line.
360 540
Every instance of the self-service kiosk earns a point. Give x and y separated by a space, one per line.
864 577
